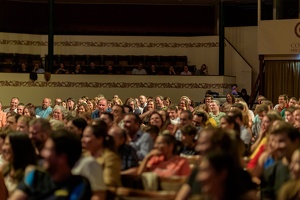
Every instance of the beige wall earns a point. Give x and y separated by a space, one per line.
76 86
279 37
244 39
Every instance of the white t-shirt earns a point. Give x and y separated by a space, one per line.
88 167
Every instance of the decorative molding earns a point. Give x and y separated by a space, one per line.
115 85
23 42
112 44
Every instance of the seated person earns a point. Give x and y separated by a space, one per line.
125 151
203 70
186 71
188 134
77 69
61 151
100 145
19 154
153 70
109 70
139 69
61 69
290 190
170 71
163 160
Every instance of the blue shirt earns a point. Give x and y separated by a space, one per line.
143 144
43 113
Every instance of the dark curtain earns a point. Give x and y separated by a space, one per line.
281 77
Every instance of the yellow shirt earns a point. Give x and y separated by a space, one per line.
111 165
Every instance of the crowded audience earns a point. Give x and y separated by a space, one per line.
90 147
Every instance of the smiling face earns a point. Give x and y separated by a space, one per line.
72 128
207 100
130 125
81 109
150 105
229 98
57 114
281 100
265 122
209 178
289 118
282 144
172 114
296 115
20 109
48 153
162 146
155 119
7 150
89 141
14 103
102 105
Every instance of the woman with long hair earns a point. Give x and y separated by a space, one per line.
29 110
100 145
230 99
82 108
156 120
260 144
19 154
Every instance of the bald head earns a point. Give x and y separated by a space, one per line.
118 134
46 103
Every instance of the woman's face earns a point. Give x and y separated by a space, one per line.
57 114
81 109
26 112
7 150
73 129
156 120
90 105
229 98
167 103
182 104
209 178
295 165
89 141
170 128
203 143
150 105
131 104
265 122
162 146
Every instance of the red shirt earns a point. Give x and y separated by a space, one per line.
176 166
